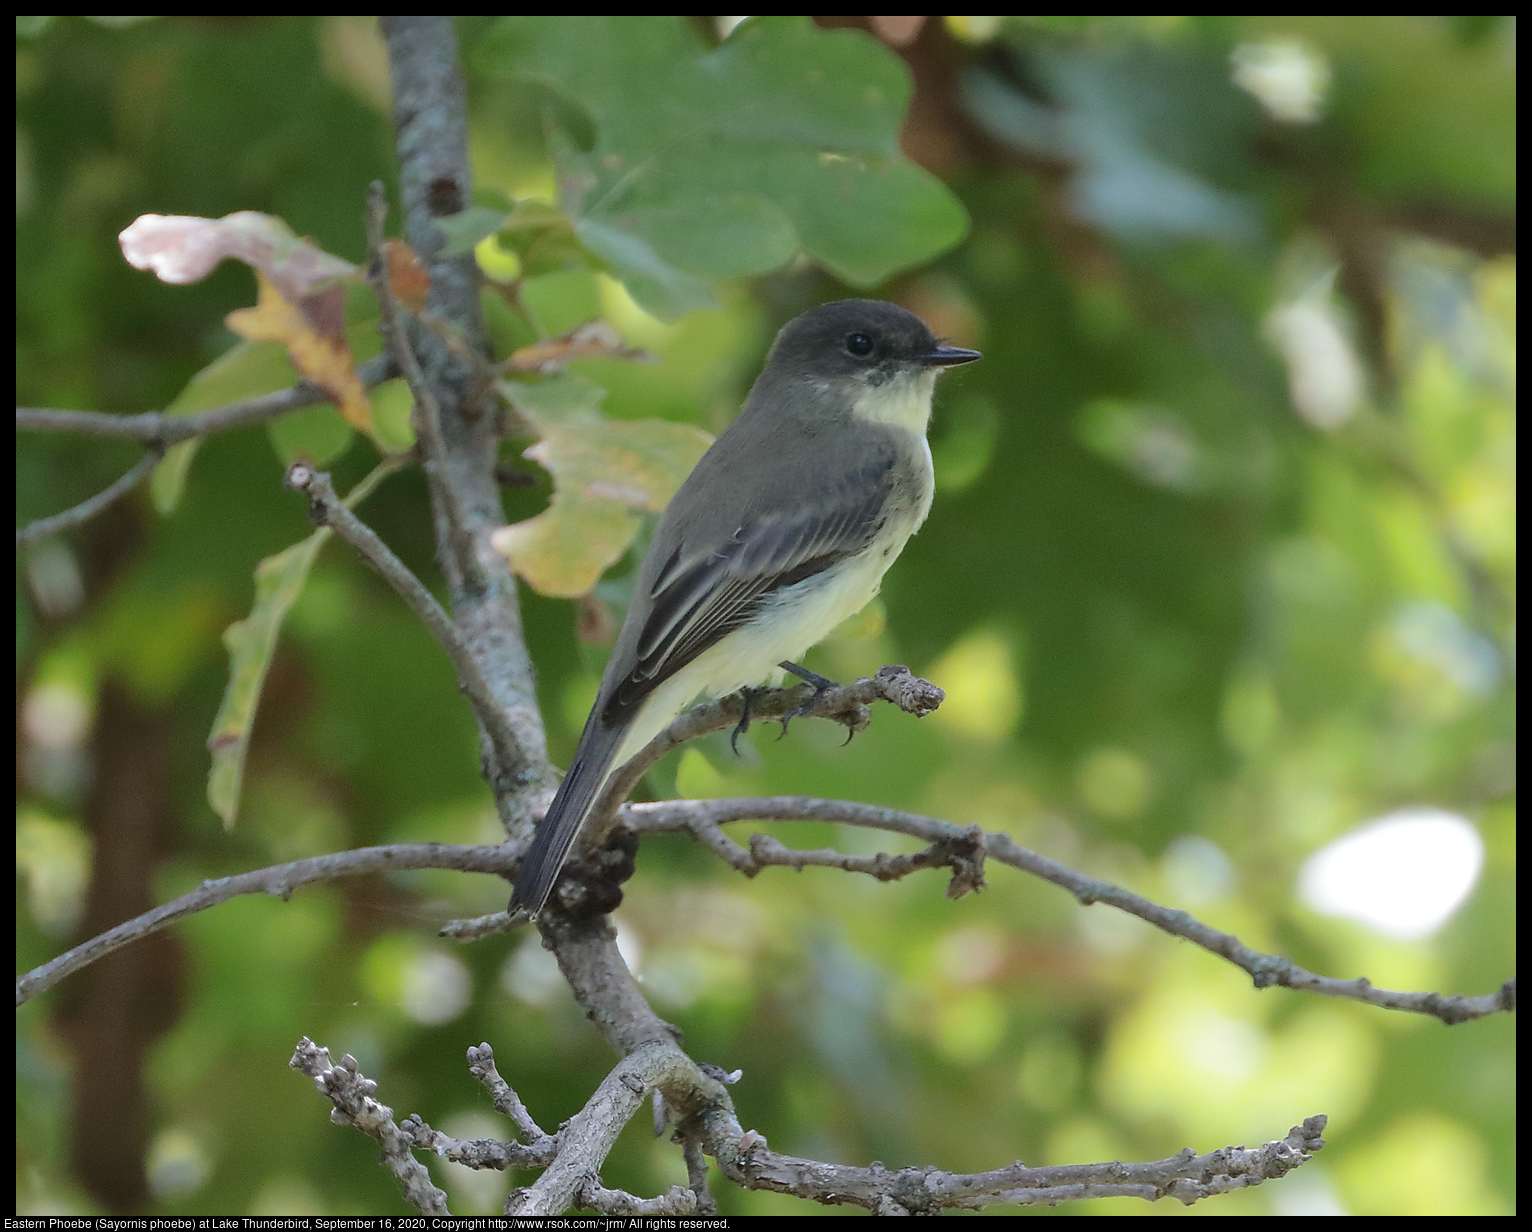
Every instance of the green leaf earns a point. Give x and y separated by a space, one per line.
784 139
467 228
251 642
651 280
317 435
245 370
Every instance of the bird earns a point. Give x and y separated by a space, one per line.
783 529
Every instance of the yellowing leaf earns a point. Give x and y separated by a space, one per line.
606 474
315 340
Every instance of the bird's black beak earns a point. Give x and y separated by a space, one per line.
949 357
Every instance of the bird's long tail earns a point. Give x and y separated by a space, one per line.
576 795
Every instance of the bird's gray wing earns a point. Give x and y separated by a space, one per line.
698 599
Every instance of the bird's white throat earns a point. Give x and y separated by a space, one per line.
904 402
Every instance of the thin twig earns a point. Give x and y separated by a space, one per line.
703 817
327 509
428 417
351 1092
594 1196
696 1176
88 509
847 704
476 1153
168 429
481 1065
278 881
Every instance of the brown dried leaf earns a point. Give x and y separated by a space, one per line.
406 275
312 331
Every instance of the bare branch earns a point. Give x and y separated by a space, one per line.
327 509
588 1137
88 509
595 970
481 926
279 881
1186 1177
481 1064
478 1153
157 427
703 817
958 854
435 179
677 1200
575 1154
351 1093
696 1176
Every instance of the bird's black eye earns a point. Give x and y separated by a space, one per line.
859 345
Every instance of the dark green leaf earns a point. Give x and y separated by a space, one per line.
727 163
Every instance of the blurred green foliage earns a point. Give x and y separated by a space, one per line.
1221 567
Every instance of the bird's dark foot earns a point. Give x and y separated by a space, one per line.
743 725
822 685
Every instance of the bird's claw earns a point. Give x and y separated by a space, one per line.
822 685
740 728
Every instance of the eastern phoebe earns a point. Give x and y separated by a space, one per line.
783 530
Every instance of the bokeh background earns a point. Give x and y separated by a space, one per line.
1219 581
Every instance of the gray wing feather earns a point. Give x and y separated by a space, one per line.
696 601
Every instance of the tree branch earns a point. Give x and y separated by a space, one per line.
435 181
590 1134
159 431
702 818
581 1146
847 704
601 981
1187 1177
158 427
351 1093
326 509
88 509
428 415
279 881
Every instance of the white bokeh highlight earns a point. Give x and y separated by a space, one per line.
1402 875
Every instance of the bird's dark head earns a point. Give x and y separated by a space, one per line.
866 339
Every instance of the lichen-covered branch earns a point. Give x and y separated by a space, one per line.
351 1092
435 181
572 1158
